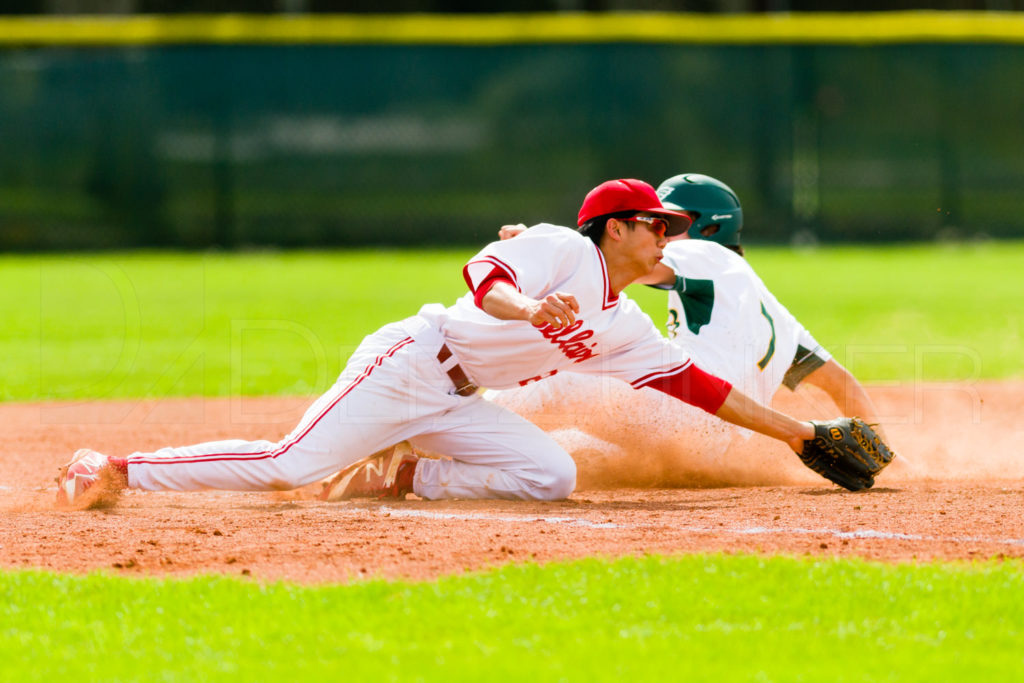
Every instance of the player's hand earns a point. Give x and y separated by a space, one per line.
507 232
558 310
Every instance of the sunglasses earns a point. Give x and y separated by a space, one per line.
659 226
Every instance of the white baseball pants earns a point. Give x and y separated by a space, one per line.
392 389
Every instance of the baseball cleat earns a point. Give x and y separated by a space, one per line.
385 474
88 480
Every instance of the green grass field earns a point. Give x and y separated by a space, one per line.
690 618
131 325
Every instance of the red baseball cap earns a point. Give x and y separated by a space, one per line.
629 194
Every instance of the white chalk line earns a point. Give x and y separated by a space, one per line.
866 533
745 531
427 514
386 510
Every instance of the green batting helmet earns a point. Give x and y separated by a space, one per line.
718 216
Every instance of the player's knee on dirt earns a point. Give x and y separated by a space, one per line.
558 480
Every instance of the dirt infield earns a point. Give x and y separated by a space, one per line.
957 494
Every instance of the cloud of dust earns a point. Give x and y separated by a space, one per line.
621 437
941 431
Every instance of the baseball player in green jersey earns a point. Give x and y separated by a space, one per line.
753 337
722 314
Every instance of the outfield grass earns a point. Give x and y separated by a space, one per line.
132 325
649 619
158 324
950 312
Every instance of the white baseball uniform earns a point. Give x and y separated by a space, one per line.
395 388
728 322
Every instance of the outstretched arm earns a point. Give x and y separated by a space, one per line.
714 395
742 410
661 275
845 391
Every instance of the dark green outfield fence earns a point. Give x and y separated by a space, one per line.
343 133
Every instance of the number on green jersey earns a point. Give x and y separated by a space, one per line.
698 299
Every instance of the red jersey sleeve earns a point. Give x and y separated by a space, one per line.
691 385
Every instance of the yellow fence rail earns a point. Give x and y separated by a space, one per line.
503 29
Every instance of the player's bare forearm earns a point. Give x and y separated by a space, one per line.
744 411
661 275
505 302
846 392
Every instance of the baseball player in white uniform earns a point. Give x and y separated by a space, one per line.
734 325
726 319
546 302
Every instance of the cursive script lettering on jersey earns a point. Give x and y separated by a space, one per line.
571 341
